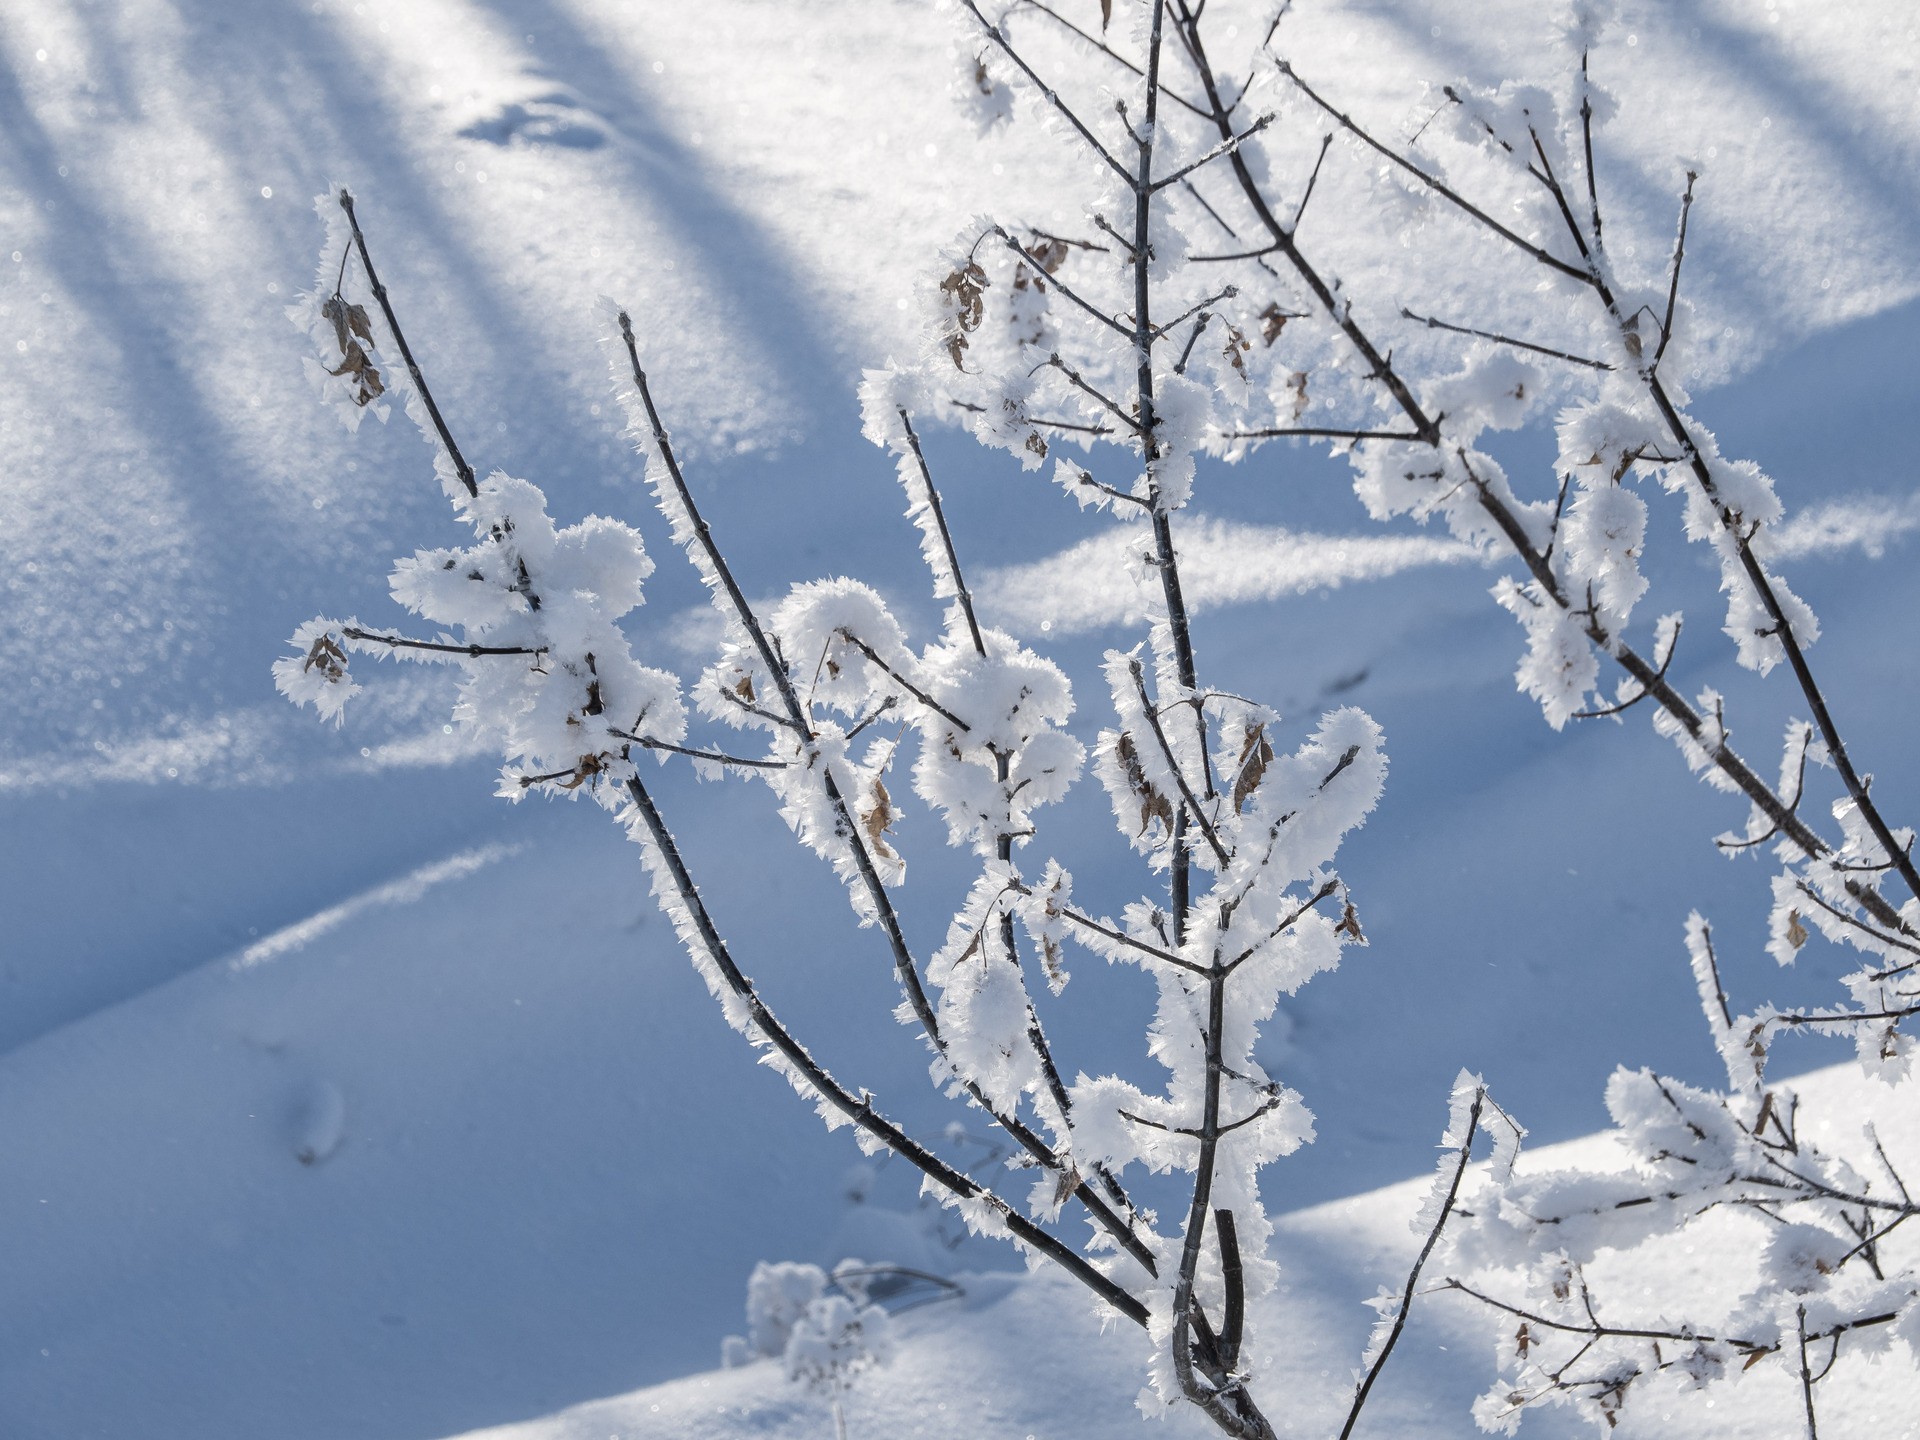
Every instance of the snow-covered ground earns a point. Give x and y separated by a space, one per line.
1026 1356
327 1111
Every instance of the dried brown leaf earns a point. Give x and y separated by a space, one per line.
1052 959
1068 1182
1153 805
876 818
1236 349
1796 932
591 767
328 658
1350 925
1298 384
1255 755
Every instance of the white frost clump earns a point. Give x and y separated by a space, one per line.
824 1337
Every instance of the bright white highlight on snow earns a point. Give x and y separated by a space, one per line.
1222 562
404 891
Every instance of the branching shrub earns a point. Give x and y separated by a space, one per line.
1184 312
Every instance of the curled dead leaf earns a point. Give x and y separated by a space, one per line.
876 819
328 658
1068 1182
1236 349
1256 753
1298 385
1796 932
350 329
1153 805
1350 925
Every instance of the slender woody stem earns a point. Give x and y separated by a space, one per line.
1365 1387
857 1108
961 592
905 969
460 465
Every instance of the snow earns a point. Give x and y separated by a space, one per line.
1331 1257
538 1168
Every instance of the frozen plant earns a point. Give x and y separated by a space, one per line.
1237 824
1176 311
823 1329
1506 181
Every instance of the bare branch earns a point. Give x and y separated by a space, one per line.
1365 1387
1054 280
1225 147
1432 182
1679 254
460 465
964 596
1047 93
1326 143
1432 324
402 642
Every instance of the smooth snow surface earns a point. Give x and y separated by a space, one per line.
328 1109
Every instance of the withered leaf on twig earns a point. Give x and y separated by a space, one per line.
1272 321
966 289
1052 959
1048 251
367 383
876 818
1255 755
350 328
328 658
1796 932
1350 925
349 321
591 767
1153 805
1236 349
1298 385
1068 1182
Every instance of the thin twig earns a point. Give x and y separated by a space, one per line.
1673 281
1065 111
402 642
946 536
1225 147
859 1109
1432 182
1326 143
649 743
460 465
1365 1387
1432 324
905 969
